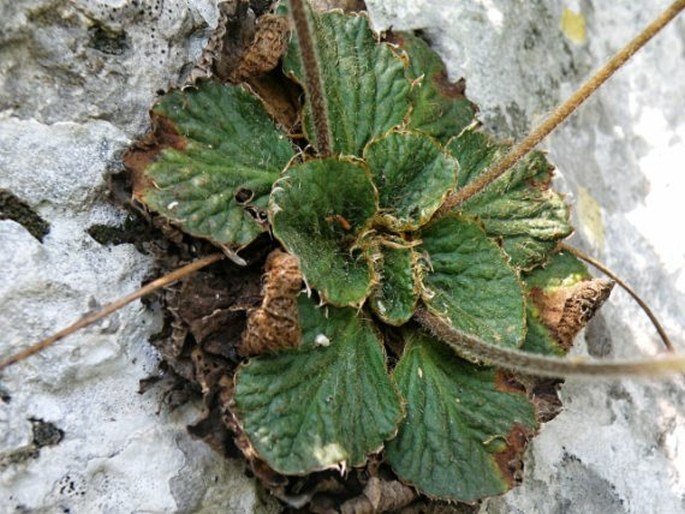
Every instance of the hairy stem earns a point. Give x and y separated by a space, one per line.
594 262
473 348
313 83
110 308
562 112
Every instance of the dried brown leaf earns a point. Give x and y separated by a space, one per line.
275 325
566 310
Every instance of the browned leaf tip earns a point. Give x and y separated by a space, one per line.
145 151
275 325
510 461
566 310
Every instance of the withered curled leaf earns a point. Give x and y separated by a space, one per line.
566 310
275 325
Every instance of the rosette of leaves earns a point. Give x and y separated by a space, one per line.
363 223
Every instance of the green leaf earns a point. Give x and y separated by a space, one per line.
365 87
394 298
317 211
328 403
464 426
519 207
562 270
217 155
439 107
413 176
469 281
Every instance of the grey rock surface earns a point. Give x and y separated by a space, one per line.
618 446
76 81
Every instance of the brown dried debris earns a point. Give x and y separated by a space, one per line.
268 45
275 325
380 496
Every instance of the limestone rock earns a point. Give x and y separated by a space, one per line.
76 81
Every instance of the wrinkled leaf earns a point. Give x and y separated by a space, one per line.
413 176
329 403
469 281
464 426
212 165
365 87
439 107
394 298
317 210
519 206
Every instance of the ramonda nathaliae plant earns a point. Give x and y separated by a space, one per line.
399 246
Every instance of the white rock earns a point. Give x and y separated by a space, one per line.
618 446
76 82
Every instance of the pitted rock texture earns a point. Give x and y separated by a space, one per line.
76 81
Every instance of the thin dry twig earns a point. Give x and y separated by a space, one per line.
108 309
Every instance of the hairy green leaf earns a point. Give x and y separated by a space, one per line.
465 424
317 211
329 403
394 298
469 281
439 107
218 154
519 207
413 176
364 82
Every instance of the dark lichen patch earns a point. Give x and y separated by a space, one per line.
5 396
107 41
132 231
15 209
44 434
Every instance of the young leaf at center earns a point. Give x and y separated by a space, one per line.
329 403
413 176
394 298
464 425
317 211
